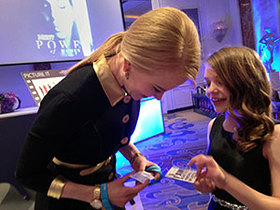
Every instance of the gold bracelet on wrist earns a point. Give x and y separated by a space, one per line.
56 187
96 202
137 154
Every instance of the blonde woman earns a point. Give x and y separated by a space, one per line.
69 154
243 168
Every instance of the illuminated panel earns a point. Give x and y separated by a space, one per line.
150 120
150 123
265 14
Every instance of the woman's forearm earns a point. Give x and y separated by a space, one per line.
78 191
129 151
248 196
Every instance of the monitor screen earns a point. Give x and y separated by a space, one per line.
55 30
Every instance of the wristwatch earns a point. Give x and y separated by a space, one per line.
96 202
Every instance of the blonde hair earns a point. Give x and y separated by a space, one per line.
243 74
110 47
159 39
164 37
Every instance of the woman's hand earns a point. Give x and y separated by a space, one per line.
204 185
119 195
209 173
140 163
137 160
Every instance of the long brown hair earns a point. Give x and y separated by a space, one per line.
243 74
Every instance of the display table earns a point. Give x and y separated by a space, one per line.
13 130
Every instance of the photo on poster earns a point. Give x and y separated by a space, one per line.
56 30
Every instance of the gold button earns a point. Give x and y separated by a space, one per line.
127 99
124 140
125 119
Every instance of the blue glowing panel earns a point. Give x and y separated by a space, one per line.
149 124
150 120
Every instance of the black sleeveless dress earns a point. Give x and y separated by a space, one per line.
250 167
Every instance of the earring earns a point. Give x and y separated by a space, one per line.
127 75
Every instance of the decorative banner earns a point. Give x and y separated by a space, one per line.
40 82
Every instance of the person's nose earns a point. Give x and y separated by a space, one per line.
211 89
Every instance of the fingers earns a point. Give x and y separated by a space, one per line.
119 194
202 161
137 188
199 159
138 184
194 159
126 177
155 169
156 175
206 168
201 172
204 185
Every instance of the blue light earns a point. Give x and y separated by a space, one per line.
150 120
149 124
266 16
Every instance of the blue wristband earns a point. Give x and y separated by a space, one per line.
155 168
104 197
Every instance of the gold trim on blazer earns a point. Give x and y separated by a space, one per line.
85 171
110 85
56 187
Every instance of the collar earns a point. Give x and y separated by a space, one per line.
109 84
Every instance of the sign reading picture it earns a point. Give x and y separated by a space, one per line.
40 82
